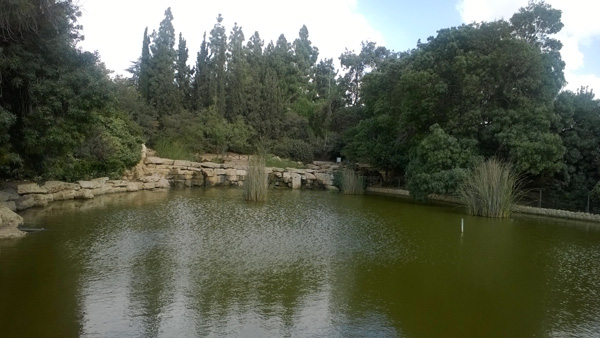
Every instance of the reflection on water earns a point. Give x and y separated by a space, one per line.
190 263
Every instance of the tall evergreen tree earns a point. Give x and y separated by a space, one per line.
162 89
237 74
218 58
183 73
200 94
144 68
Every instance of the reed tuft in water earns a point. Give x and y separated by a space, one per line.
351 182
491 190
257 182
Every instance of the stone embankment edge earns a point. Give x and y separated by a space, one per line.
150 174
522 209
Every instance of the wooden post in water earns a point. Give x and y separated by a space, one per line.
462 225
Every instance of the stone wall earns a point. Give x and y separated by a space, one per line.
154 173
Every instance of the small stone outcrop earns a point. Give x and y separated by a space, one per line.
9 223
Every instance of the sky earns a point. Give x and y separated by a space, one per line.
115 28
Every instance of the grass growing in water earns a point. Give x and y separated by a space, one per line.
256 183
491 190
173 150
351 182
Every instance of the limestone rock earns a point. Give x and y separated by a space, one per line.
162 183
6 196
154 160
324 179
9 223
25 202
180 163
56 186
84 194
30 188
93 184
64 195
9 204
296 181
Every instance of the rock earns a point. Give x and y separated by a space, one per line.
9 204
286 177
162 183
6 196
208 172
331 188
118 183
134 186
56 186
149 185
99 191
115 190
231 175
310 177
41 200
154 160
30 188
296 181
64 195
93 184
324 179
211 165
179 163
84 194
25 202
9 223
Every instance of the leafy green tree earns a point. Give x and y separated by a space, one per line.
579 129
439 164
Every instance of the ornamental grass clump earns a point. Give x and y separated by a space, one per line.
491 190
352 183
257 181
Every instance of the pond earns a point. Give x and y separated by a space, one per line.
204 263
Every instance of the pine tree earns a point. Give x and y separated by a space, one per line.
237 74
218 49
200 94
144 65
183 73
163 93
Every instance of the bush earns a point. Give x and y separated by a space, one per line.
295 149
491 190
174 150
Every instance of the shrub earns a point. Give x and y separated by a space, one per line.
174 150
491 190
296 149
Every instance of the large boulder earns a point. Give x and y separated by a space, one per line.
9 223
30 188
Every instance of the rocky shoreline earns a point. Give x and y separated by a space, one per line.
150 174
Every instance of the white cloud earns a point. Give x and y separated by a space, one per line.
581 26
115 27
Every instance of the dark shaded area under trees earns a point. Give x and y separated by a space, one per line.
427 115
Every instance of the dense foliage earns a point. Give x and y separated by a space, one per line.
429 115
58 117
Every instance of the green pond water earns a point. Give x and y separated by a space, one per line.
204 263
